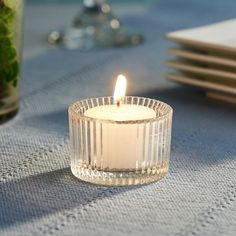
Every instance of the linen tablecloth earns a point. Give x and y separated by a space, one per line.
38 193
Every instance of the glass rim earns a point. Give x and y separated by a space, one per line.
73 110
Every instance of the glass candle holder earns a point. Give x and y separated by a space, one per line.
109 152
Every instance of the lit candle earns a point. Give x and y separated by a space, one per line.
121 143
120 140
119 111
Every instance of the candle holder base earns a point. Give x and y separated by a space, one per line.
120 178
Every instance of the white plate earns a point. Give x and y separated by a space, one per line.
205 85
201 71
221 97
219 37
203 58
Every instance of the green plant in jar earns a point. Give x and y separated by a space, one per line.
9 53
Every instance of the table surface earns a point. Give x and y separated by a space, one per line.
38 193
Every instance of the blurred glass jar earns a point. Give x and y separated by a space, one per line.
11 12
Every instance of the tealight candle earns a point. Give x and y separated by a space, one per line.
120 140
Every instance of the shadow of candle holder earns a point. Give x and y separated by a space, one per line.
44 194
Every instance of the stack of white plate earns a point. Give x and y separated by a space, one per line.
206 58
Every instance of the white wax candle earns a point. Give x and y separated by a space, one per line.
125 112
121 144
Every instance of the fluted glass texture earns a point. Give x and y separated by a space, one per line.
111 152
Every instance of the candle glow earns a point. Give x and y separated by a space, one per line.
120 90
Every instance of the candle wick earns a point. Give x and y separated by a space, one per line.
118 103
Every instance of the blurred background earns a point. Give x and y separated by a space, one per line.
42 17
152 18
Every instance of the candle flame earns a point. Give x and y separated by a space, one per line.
120 89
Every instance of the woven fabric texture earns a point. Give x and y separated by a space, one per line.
38 193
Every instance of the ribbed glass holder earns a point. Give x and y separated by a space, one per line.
109 152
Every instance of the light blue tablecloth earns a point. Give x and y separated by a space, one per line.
38 193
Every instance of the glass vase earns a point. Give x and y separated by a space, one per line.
11 12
